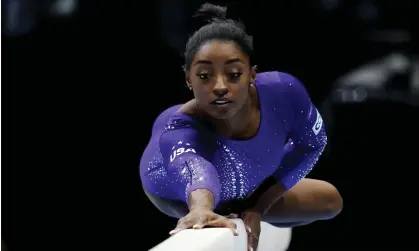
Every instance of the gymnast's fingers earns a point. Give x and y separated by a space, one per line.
232 216
224 222
183 223
252 241
200 224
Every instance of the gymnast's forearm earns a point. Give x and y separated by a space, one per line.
201 199
268 198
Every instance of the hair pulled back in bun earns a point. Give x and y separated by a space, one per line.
217 27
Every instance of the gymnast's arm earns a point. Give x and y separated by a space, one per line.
185 155
309 139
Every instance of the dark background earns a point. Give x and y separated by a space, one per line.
80 94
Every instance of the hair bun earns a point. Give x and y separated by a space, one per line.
211 12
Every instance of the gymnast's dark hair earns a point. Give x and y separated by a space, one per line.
218 27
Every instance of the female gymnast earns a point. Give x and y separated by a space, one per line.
242 146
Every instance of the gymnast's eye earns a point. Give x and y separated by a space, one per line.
203 76
235 75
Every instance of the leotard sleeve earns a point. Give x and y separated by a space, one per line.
186 152
307 134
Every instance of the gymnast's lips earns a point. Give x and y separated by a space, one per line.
221 101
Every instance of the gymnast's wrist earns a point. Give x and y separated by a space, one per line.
201 199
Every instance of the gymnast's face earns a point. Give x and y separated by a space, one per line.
220 76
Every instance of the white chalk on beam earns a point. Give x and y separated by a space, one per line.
221 239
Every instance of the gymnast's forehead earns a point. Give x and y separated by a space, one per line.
216 51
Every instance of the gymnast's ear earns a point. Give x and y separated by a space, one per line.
187 78
253 72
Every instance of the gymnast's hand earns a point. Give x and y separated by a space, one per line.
251 222
200 218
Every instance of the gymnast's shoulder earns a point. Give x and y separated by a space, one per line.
187 116
281 84
276 80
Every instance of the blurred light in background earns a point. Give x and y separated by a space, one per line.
21 16
391 78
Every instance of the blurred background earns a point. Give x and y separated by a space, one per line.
83 82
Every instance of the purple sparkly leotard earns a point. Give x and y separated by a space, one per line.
183 156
